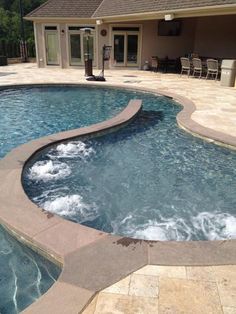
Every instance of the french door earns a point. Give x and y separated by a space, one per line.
126 48
52 47
78 46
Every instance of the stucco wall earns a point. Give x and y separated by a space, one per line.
102 40
40 44
207 36
216 36
162 46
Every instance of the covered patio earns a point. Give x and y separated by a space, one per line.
205 37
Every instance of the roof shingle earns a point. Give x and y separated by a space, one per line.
121 7
67 8
103 8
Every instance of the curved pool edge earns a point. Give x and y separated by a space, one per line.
183 118
47 234
91 259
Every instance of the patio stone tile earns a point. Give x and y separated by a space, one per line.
120 304
229 310
201 273
90 309
226 281
143 286
187 296
163 271
121 287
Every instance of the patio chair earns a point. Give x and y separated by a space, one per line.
185 66
154 64
197 67
212 68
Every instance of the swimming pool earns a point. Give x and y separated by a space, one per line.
24 275
149 180
25 114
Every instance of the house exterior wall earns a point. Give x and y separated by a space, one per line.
102 40
207 36
63 40
162 46
216 36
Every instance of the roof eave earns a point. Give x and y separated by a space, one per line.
53 18
188 12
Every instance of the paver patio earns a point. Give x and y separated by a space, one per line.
159 289
172 290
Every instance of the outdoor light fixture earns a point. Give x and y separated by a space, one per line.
169 17
99 22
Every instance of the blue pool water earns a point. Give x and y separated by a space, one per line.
48 110
24 275
149 180
26 114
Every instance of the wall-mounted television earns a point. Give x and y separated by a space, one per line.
169 28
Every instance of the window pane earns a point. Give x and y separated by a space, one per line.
132 55
51 28
119 48
75 48
52 48
89 45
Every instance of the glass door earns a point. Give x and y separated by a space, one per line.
119 49
52 47
132 49
75 49
126 48
78 46
88 45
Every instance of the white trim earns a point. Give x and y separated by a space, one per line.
36 43
140 36
95 49
59 45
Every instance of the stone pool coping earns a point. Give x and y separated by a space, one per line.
91 259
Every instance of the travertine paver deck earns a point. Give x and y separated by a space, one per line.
216 105
170 290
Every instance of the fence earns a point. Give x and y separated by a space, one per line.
11 49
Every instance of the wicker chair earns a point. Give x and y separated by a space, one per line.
185 66
212 68
154 64
197 67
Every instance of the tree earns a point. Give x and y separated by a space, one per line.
10 32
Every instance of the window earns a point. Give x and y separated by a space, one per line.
78 44
51 28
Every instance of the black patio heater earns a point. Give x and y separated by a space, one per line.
88 61
23 48
106 53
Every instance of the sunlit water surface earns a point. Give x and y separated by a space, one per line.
149 180
26 114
